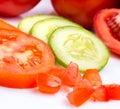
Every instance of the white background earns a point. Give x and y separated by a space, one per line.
33 99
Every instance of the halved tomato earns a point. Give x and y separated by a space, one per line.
21 58
106 25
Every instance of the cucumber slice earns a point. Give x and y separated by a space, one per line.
26 23
80 46
42 29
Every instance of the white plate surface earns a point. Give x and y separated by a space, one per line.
33 99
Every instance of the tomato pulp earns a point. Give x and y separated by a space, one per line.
21 58
106 24
16 7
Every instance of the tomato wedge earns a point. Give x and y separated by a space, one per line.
48 83
71 75
92 75
21 58
106 25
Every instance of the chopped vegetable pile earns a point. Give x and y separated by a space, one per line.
27 61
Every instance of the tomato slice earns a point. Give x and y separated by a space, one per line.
21 58
92 75
48 83
106 25
81 93
5 25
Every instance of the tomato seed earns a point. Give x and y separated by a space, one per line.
113 23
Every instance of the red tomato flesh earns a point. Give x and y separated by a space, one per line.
81 93
71 75
93 76
48 83
21 58
113 91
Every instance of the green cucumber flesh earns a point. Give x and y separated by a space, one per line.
26 23
42 29
80 46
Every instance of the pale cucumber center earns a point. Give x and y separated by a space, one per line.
80 48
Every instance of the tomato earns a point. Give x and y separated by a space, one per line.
82 11
92 75
100 94
71 75
48 83
57 71
106 24
80 94
16 7
21 58
113 91
5 25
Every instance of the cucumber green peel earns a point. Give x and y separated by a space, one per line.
26 23
80 46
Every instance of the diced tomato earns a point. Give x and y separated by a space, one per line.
57 71
113 91
48 83
71 74
21 58
100 94
92 75
81 93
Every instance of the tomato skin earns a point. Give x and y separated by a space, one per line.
82 11
48 83
18 70
10 8
103 32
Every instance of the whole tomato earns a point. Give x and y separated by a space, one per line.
10 8
82 11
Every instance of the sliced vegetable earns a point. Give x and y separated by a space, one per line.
113 91
48 83
100 94
44 28
81 94
93 76
26 23
71 74
21 58
106 24
79 46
